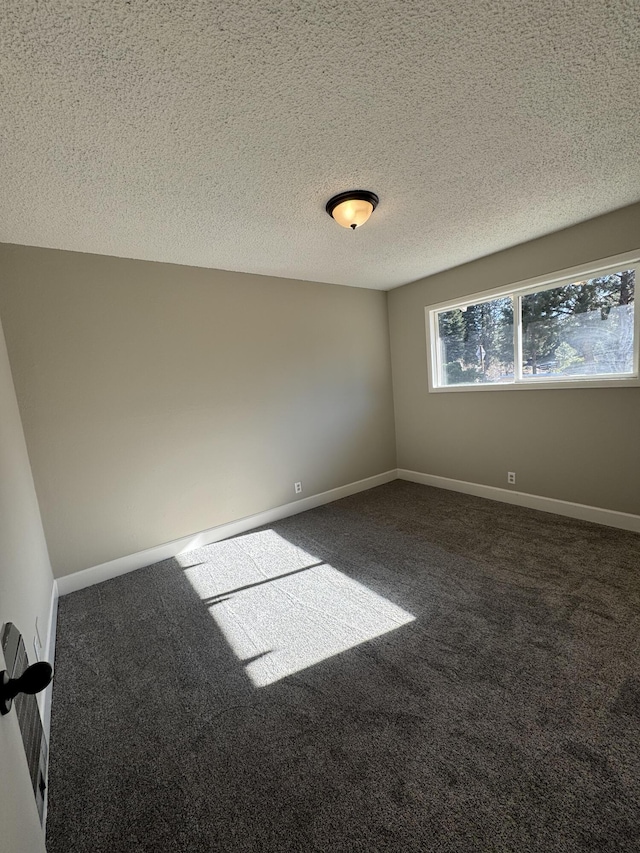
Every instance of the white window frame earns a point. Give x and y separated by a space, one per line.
595 269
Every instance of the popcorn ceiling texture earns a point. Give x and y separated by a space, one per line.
212 134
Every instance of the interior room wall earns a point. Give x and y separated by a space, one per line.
26 585
161 400
575 445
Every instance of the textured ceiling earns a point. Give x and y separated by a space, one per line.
212 133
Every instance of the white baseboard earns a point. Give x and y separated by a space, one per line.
611 518
122 565
44 698
45 704
49 649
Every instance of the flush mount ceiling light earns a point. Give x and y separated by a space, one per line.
352 209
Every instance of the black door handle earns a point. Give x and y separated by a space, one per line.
34 679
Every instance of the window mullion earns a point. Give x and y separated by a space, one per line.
517 338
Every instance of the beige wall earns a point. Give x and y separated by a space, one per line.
160 400
576 445
25 593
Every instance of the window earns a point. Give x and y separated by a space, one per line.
577 328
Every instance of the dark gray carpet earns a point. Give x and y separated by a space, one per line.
407 669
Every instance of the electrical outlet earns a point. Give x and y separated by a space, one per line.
511 478
298 488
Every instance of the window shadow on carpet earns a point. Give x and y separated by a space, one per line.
281 609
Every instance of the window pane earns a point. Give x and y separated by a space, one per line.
581 329
476 344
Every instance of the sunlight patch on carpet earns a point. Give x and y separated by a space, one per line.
282 609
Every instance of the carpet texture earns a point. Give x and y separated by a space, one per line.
407 669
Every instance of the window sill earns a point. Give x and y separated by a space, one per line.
623 382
